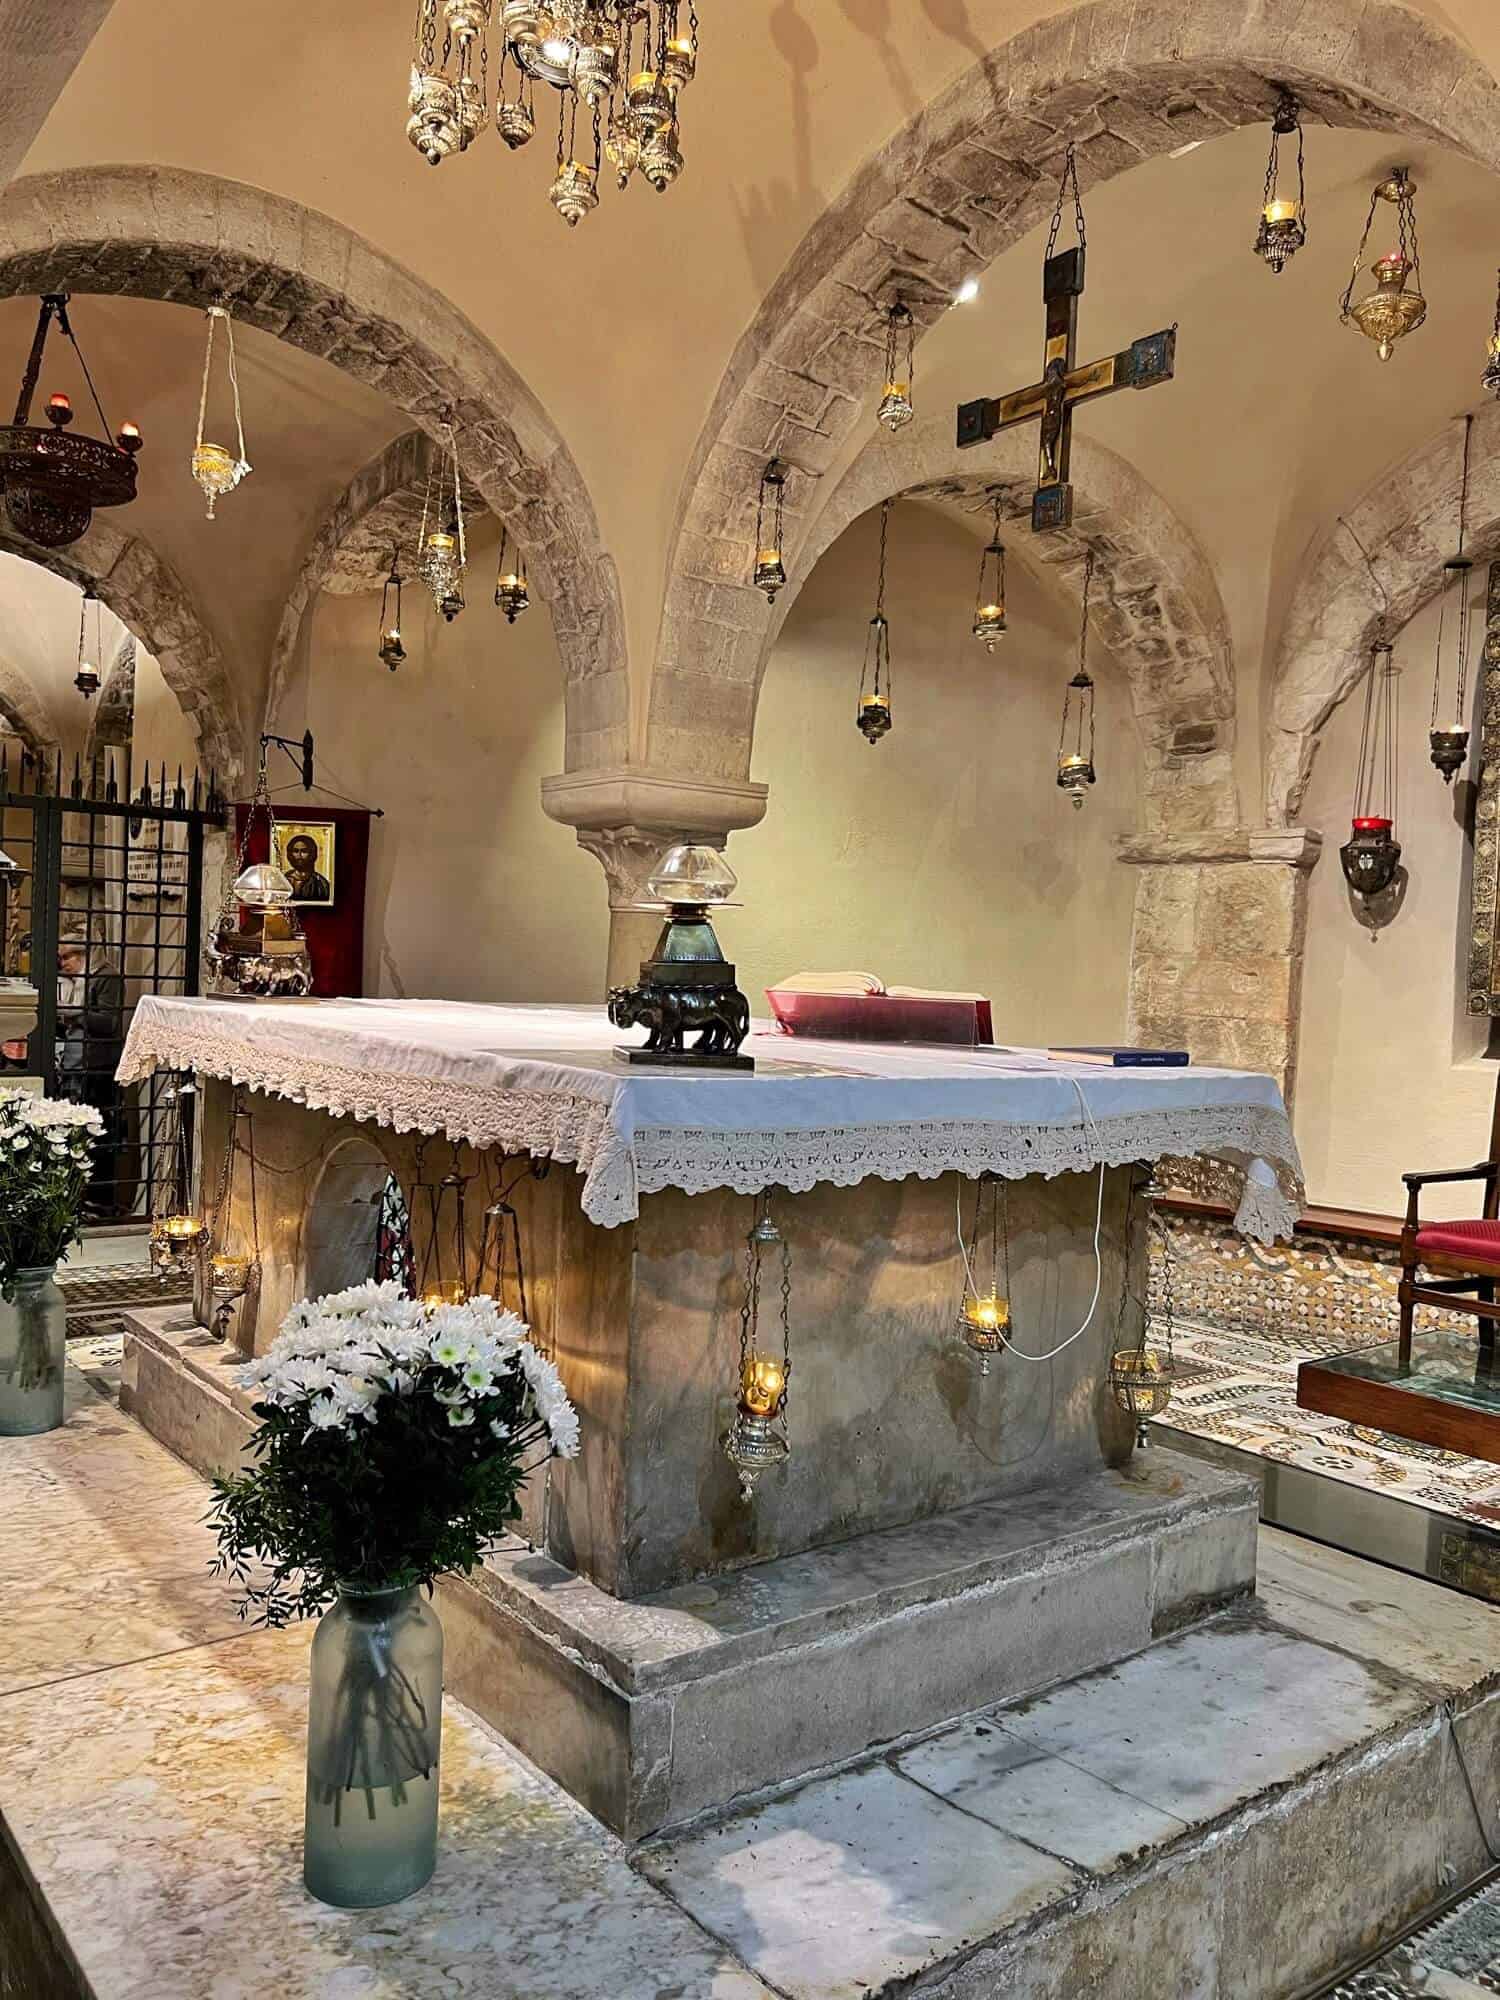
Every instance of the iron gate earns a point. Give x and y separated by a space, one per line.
102 904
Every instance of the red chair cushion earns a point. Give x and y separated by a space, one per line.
1479 1239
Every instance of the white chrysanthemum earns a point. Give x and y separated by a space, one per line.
324 1414
461 1415
477 1379
449 1352
563 1425
499 1429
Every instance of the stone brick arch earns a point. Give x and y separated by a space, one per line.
1156 601
967 177
1408 523
155 605
188 238
24 713
380 508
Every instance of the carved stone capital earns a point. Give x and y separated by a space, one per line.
629 856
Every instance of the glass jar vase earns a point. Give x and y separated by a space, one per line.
33 1336
374 1731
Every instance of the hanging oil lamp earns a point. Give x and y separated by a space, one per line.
1372 854
443 548
86 680
874 713
511 594
178 1232
216 469
770 570
392 652
1075 765
896 406
989 600
1391 311
756 1439
52 477
1142 1375
1283 221
1449 741
984 1310
265 957
1490 379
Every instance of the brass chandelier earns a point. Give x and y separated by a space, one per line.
52 478
623 63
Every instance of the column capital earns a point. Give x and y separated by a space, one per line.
1291 846
666 802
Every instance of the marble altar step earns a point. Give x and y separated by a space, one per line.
658 1710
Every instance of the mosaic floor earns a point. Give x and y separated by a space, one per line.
1457 1958
1240 1389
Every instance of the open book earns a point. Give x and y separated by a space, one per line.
853 984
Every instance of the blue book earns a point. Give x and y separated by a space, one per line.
1124 1058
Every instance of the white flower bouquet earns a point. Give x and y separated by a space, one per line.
44 1172
393 1440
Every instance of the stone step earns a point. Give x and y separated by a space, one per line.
655 1710
1232 1814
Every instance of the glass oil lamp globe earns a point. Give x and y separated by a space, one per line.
445 1292
229 1277
262 886
86 680
983 1324
680 64
575 192
896 406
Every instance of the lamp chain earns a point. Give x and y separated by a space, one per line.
1069 173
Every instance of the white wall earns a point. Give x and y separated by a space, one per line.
944 855
474 894
1391 1078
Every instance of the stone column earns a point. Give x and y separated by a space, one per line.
1216 952
627 819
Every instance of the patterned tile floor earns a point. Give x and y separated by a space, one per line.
1240 1389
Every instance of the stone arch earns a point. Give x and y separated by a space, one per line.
154 604
968 176
188 238
112 721
379 509
1156 601
343 1215
1407 522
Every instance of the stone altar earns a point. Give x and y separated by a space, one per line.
939 1539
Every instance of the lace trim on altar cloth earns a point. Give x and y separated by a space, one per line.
1242 1155
557 1125
1249 1167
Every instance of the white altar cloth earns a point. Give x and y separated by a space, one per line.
546 1080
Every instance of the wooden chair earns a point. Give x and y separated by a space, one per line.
1468 1252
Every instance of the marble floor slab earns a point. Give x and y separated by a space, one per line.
856 1882
161 1806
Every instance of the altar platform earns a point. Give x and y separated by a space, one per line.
1232 1813
939 1539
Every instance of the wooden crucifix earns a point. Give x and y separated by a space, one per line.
1063 385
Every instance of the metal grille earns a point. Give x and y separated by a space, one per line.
104 906
393 1255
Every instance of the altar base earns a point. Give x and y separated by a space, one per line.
655 1710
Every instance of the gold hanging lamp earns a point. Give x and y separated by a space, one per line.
216 469
1075 764
989 599
896 406
770 569
392 651
1283 219
511 593
443 551
873 715
1449 741
1393 309
757 1440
